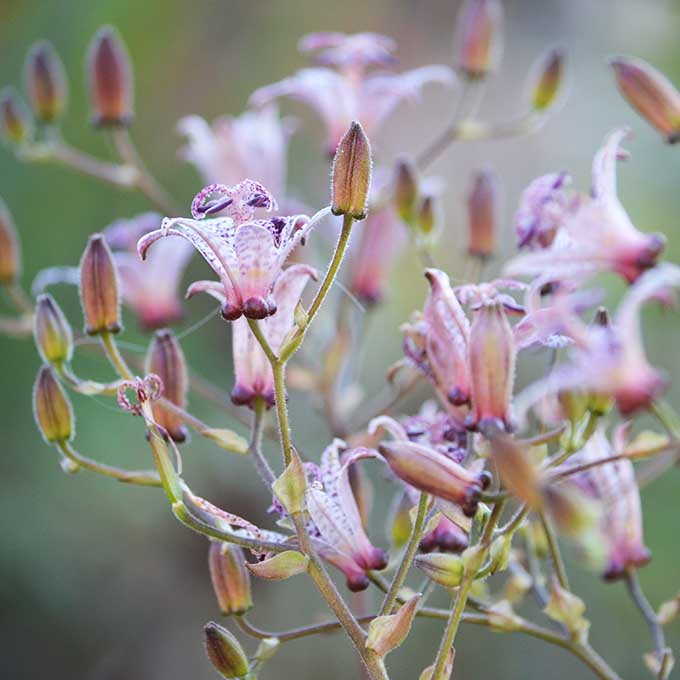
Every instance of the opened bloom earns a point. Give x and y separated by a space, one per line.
246 254
342 90
615 487
150 288
581 236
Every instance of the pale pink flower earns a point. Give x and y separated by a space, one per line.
245 253
594 234
253 372
349 93
150 288
614 486
254 144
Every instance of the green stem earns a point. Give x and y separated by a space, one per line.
407 558
279 369
255 445
554 548
115 357
140 477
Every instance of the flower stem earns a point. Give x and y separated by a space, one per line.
554 548
115 357
255 445
122 176
407 558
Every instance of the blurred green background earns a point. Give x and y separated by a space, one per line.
97 581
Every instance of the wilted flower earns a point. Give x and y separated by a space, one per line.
584 235
614 486
99 292
335 523
437 341
10 255
110 79
15 119
345 91
166 360
650 93
150 288
230 578
246 254
252 369
45 82
478 39
254 144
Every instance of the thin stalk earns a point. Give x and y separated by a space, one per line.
123 176
140 477
255 445
407 557
19 299
554 548
278 369
115 357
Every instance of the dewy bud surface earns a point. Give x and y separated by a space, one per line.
99 291
52 331
52 408
351 178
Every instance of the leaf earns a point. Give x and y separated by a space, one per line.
386 633
281 566
669 610
226 439
290 486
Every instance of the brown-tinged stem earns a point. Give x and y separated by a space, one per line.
408 556
140 477
144 180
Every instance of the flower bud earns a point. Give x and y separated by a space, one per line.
478 36
549 73
386 633
17 125
52 331
45 82
166 360
482 207
651 94
52 408
427 217
289 488
433 472
405 191
445 537
492 354
110 79
442 568
99 292
351 174
10 256
230 578
225 652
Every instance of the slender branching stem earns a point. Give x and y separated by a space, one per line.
554 548
255 444
122 176
408 556
115 357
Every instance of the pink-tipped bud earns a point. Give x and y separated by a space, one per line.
478 38
482 207
230 578
444 569
225 652
351 174
651 94
405 190
52 408
165 359
10 255
445 537
99 290
433 472
110 79
17 125
491 357
548 76
45 82
52 331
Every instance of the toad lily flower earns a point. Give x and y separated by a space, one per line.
615 487
437 342
253 371
245 253
610 360
254 144
150 288
342 91
335 523
583 236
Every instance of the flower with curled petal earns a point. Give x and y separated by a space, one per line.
594 234
245 253
150 288
346 91
615 487
254 377
148 388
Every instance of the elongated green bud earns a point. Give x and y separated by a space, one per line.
443 568
52 408
549 75
351 175
406 191
225 652
52 331
15 119
45 82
